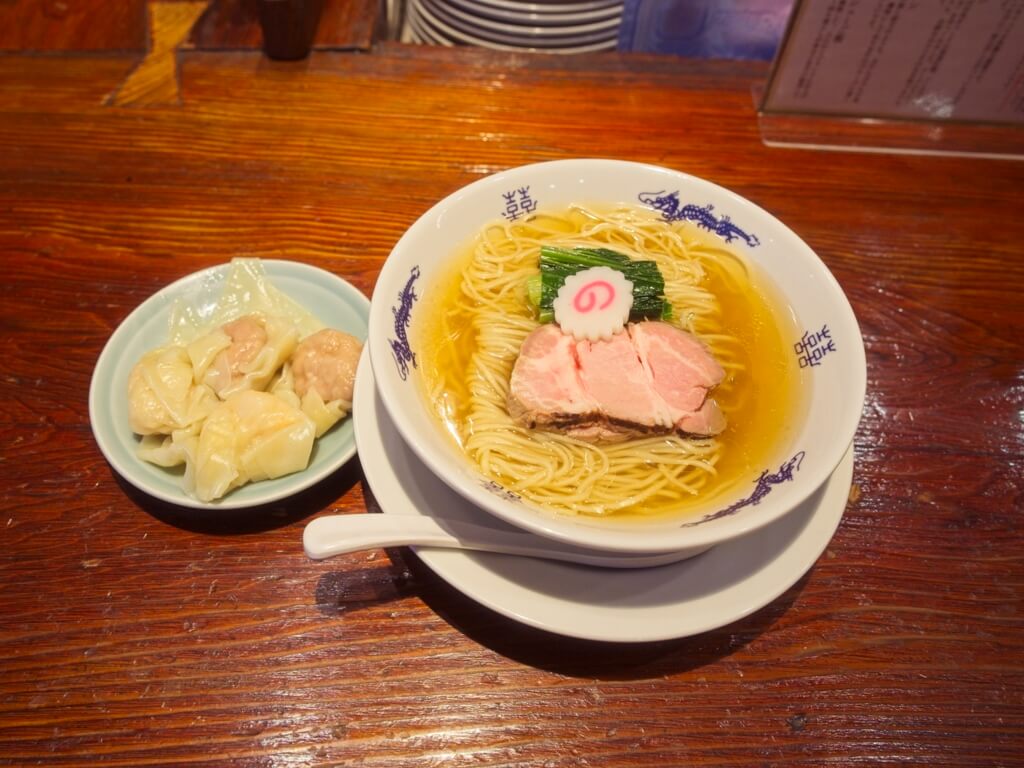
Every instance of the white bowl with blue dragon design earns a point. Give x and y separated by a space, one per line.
824 341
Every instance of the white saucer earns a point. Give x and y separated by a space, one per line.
671 601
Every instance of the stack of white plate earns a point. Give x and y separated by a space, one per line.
550 26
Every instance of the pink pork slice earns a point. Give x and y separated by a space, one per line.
545 385
681 371
653 378
708 420
614 376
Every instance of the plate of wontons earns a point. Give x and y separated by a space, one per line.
232 387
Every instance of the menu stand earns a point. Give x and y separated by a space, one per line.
911 76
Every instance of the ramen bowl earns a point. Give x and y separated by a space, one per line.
818 334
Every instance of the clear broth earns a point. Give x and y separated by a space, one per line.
764 403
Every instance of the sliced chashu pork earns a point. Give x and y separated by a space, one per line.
682 372
546 389
653 378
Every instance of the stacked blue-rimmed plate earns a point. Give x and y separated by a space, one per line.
551 26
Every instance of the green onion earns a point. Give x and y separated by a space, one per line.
533 289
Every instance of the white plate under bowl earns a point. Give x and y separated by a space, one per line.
682 599
333 301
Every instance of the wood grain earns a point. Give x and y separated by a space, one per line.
138 634
73 25
155 79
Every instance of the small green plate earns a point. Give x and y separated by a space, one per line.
333 301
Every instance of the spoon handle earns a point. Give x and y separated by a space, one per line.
338 534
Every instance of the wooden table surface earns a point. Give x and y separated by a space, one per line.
133 633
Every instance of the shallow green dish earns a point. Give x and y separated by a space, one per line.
332 300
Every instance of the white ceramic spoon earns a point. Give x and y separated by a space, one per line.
337 534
